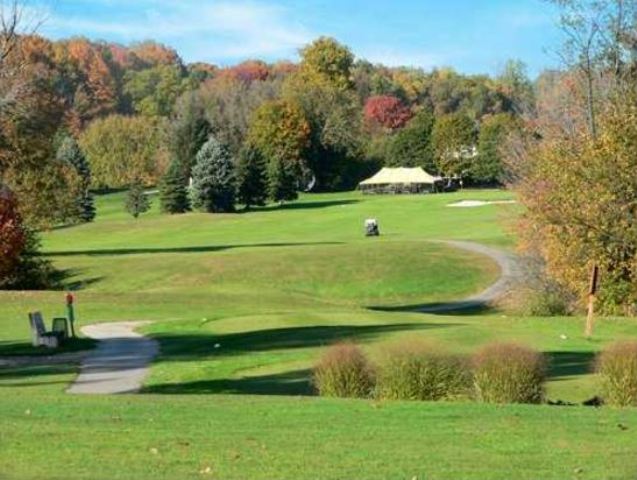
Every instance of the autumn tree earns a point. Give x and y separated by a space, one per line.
213 186
89 84
386 111
229 106
152 54
335 122
579 194
252 178
327 61
30 116
248 71
123 149
279 130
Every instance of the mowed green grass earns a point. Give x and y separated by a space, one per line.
244 304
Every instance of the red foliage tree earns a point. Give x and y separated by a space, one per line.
387 111
249 71
12 235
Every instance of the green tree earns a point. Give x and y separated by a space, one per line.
69 152
489 165
154 91
335 128
411 146
516 85
213 187
136 199
173 190
454 142
282 181
189 130
252 178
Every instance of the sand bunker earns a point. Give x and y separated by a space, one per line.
479 203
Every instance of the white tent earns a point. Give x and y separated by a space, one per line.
400 180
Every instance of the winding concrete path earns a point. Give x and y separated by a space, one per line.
120 362
510 273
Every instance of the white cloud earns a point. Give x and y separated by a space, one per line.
219 31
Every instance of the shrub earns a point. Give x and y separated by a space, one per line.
617 368
344 371
416 371
509 373
540 295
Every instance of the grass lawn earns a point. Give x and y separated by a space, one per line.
273 287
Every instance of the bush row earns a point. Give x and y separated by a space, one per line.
498 373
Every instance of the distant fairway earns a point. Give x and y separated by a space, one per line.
272 288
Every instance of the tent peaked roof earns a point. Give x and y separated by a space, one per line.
405 176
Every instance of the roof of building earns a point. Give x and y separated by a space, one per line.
403 176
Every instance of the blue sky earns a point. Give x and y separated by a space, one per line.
472 36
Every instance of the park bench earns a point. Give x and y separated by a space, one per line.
40 336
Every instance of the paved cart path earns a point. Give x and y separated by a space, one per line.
120 362
510 273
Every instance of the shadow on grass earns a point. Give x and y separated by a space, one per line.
16 349
296 383
570 364
200 249
34 375
453 308
305 205
194 347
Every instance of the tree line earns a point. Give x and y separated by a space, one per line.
77 116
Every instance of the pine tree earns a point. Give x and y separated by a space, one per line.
173 192
213 179
69 152
136 200
189 131
252 178
282 184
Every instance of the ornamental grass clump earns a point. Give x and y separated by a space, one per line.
418 371
344 371
509 373
617 370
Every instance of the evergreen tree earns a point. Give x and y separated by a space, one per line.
282 183
136 200
251 178
69 152
189 131
173 192
213 187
